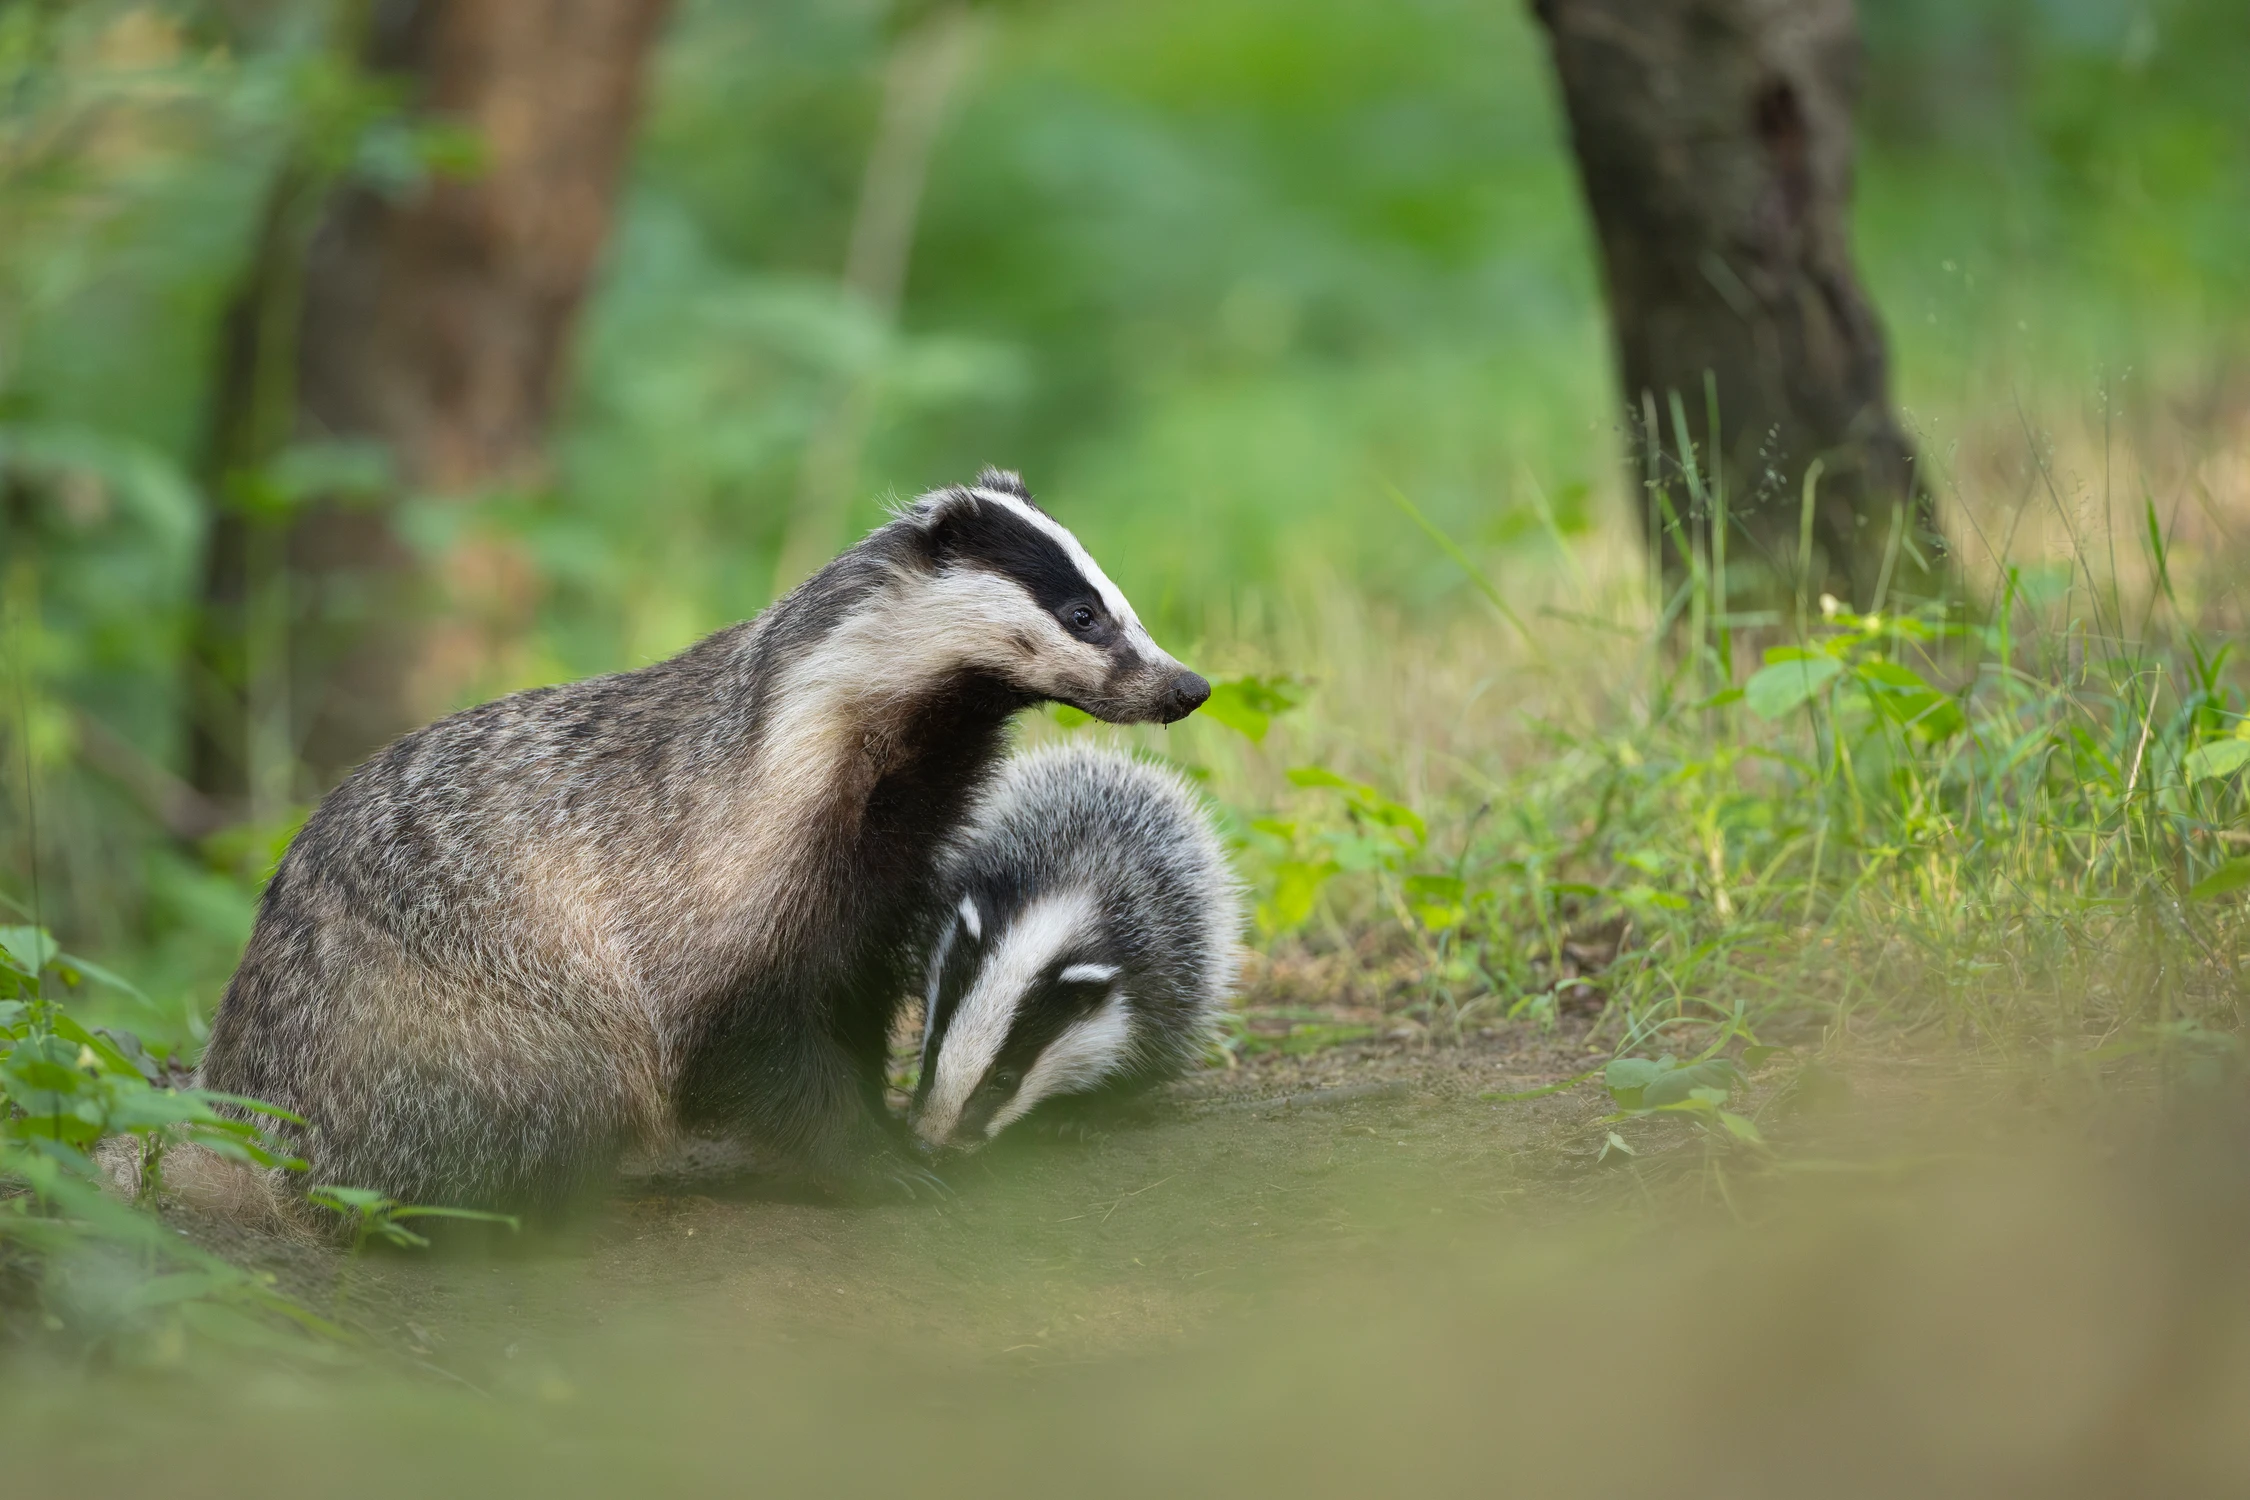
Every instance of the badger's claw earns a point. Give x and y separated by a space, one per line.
1076 1130
915 1181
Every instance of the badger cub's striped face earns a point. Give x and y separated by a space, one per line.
1016 1014
1016 596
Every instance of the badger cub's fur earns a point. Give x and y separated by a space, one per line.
1091 942
687 898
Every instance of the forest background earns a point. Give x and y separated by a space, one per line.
1221 279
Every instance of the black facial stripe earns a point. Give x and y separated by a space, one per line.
962 957
1052 1008
995 537
1049 1010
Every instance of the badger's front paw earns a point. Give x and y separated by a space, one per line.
880 1163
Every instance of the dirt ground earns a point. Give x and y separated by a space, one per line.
1338 1268
1056 1244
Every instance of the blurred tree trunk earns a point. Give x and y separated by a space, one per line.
426 320
1714 145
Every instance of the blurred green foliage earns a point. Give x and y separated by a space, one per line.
1213 274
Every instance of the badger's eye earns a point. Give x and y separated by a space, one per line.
1082 617
1006 1078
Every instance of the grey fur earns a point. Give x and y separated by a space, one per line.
1117 860
583 918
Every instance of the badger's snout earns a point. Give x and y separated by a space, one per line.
927 1147
1152 690
1185 694
954 1142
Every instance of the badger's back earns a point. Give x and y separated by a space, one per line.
1138 839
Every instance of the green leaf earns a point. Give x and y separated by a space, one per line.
1903 694
477 1215
1248 705
1636 1072
1741 1128
1436 900
31 948
1640 896
1296 886
1617 1144
1628 1078
101 975
2229 877
1781 687
347 1199
110 1054
2217 759
1365 800
1712 1074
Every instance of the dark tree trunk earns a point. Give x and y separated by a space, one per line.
1714 144
430 322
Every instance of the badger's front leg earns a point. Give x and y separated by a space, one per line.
852 1142
799 1096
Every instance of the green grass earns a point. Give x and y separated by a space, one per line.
2020 822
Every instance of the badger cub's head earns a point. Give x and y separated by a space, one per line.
1019 598
1023 1005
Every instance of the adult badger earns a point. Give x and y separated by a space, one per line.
584 918
1090 942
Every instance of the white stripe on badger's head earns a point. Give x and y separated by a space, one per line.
1024 601
1028 1023
1112 597
1088 1051
979 1026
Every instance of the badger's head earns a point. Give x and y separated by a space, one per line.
1019 600
1023 1005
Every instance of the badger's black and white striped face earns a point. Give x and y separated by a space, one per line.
1019 598
1017 1014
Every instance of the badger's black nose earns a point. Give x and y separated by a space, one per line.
1185 696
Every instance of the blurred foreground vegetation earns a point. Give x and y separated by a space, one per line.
1291 313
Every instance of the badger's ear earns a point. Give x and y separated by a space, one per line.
939 517
1007 481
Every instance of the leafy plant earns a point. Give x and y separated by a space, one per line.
65 1087
1857 650
1643 1087
368 1215
1249 704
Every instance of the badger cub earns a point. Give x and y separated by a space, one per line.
1089 942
